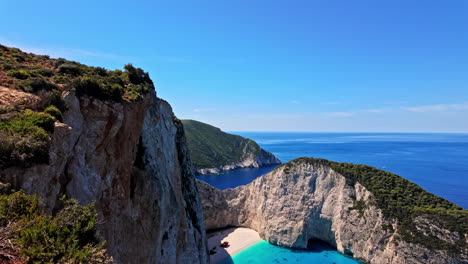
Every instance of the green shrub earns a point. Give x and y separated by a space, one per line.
70 68
61 79
43 72
100 71
97 88
24 139
36 84
18 207
70 236
22 151
19 57
54 98
43 120
21 74
29 123
53 111
135 92
137 75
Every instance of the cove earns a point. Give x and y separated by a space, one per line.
234 178
264 252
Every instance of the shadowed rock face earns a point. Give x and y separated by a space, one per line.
132 160
306 202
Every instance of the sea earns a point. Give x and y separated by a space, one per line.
436 162
263 252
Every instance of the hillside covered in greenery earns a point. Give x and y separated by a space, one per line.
405 201
210 147
31 98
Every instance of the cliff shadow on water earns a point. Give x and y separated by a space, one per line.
317 245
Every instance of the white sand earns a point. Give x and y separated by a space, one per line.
238 238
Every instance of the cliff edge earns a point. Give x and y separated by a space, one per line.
347 206
114 143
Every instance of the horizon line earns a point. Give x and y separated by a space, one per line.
302 131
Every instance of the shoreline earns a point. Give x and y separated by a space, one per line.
239 238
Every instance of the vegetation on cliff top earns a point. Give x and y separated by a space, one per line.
29 235
405 201
211 148
34 73
32 87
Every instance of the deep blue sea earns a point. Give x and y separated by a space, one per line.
437 162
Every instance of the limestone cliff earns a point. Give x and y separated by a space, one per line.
248 160
304 201
131 159
214 151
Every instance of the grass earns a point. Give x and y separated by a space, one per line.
210 147
405 201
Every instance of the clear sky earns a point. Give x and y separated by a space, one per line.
323 65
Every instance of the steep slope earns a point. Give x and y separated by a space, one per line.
213 150
363 212
117 144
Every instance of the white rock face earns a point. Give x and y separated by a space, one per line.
307 202
132 160
248 160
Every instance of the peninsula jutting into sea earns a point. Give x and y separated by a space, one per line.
234 132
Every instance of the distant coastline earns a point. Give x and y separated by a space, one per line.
435 161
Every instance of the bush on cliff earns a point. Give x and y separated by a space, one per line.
53 111
69 236
33 73
24 138
21 74
98 88
36 84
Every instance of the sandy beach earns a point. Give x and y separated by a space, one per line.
238 238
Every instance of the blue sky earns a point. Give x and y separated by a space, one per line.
324 65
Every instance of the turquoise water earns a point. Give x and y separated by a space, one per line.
263 252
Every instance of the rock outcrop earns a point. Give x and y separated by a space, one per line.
248 160
131 159
294 205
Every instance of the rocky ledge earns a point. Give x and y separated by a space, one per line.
305 200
